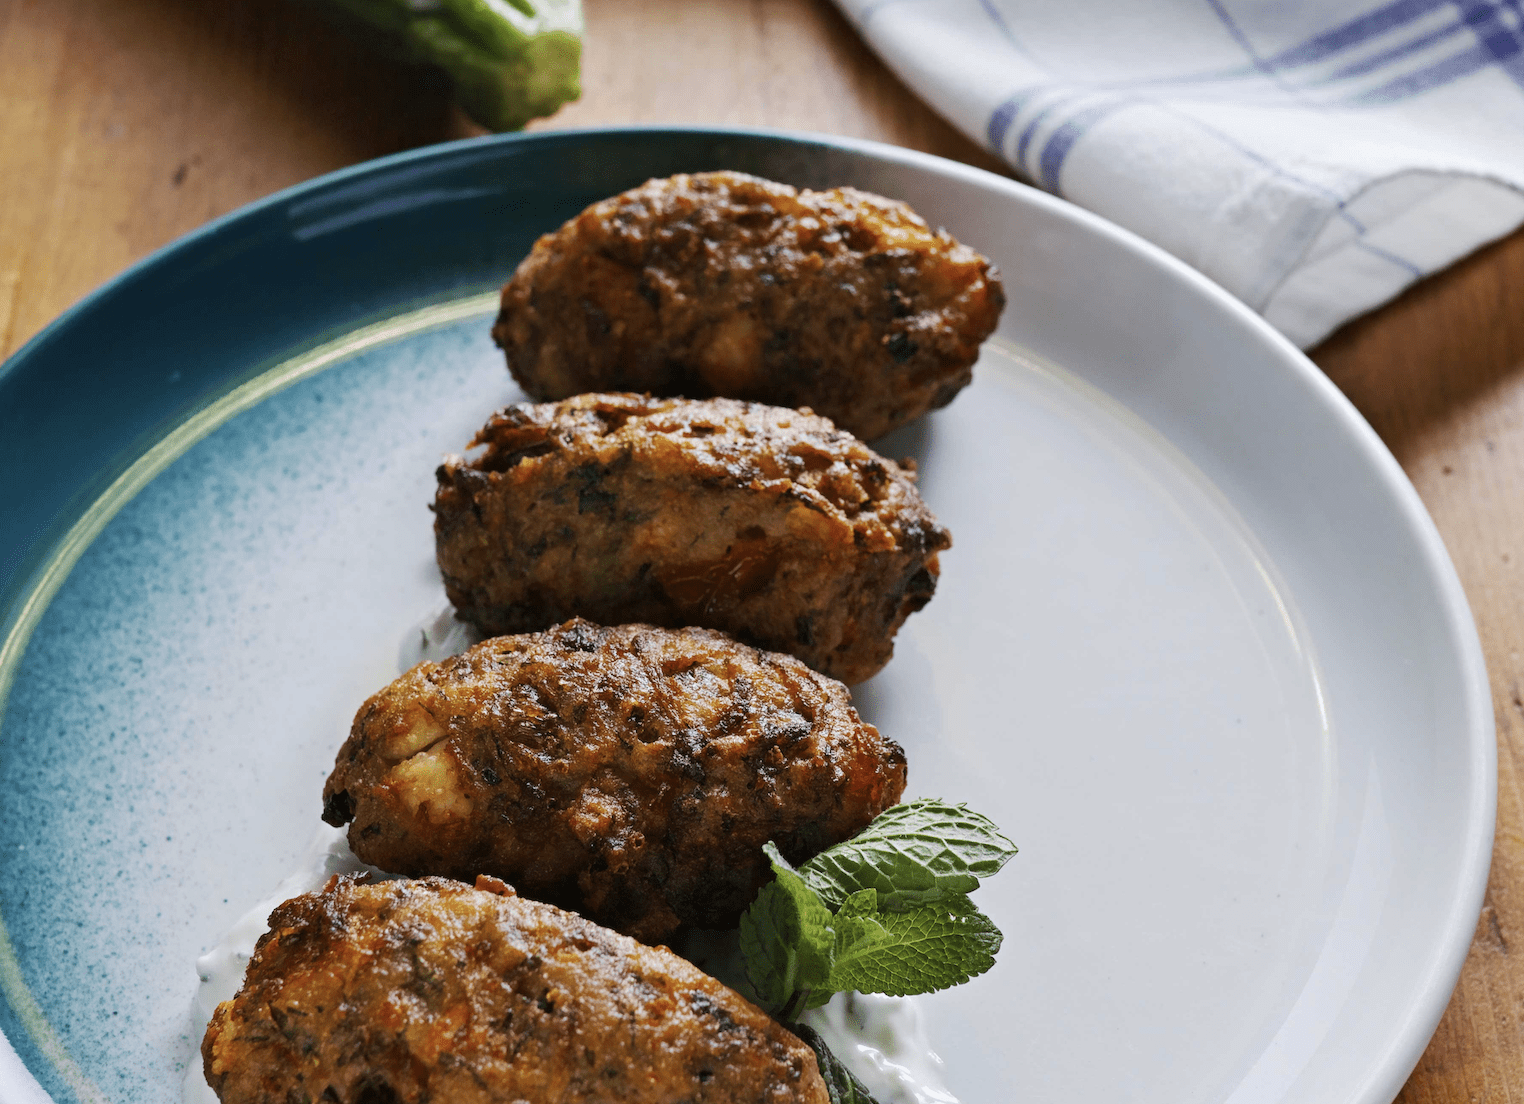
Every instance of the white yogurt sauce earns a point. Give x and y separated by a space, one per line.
883 1041
880 1039
438 636
222 968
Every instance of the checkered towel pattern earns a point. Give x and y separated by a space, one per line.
1313 157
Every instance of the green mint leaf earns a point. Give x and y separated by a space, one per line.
786 938
903 953
913 854
862 903
902 921
841 1086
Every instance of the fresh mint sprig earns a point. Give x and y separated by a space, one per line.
786 941
912 854
884 912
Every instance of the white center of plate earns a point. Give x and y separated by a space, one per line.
1111 671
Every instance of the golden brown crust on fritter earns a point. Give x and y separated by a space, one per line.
725 284
407 992
630 773
766 523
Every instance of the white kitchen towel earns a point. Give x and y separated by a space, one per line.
1313 157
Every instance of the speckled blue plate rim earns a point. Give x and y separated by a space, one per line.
17 557
43 416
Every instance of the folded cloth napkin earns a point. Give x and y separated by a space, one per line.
1313 157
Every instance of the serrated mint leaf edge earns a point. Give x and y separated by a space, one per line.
909 953
913 854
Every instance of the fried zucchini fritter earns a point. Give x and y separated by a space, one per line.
632 773
725 284
407 992
766 523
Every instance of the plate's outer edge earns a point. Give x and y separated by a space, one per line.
68 384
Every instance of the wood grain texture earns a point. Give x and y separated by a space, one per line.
795 64
123 125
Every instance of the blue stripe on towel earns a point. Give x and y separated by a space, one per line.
1354 33
1019 158
1446 72
1247 47
1504 43
1000 23
1497 43
1062 140
1406 265
1396 53
1005 114
1000 121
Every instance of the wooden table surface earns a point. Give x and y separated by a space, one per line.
124 123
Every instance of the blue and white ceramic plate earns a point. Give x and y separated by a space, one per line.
1197 647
